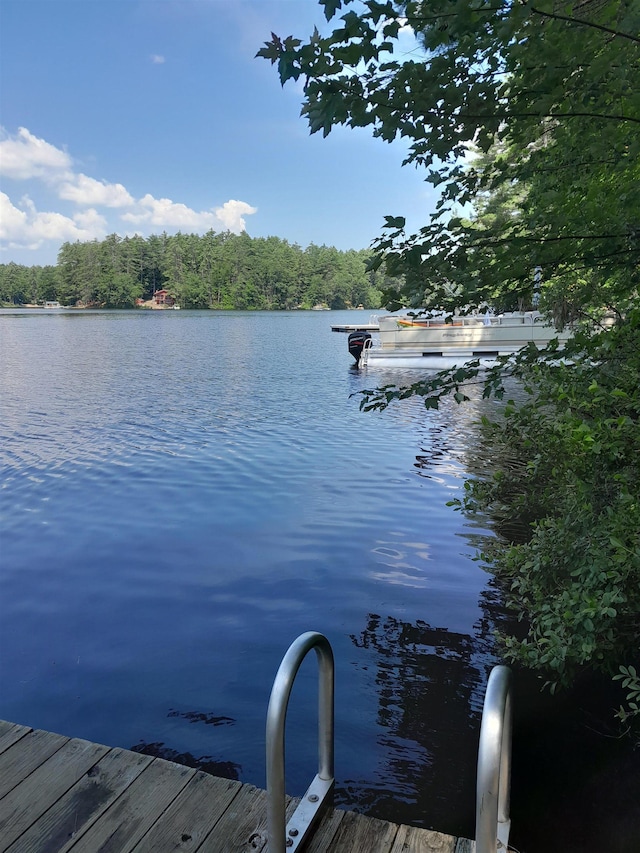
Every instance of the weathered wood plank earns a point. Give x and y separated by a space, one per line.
72 796
242 828
24 804
22 758
411 839
68 819
360 834
5 725
191 816
136 810
326 831
11 733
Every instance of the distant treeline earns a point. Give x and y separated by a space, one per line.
215 270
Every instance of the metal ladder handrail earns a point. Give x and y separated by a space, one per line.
364 355
317 796
494 765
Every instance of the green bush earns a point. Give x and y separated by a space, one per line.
571 471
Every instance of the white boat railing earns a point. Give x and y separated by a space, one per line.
527 318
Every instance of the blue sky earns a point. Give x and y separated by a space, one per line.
143 116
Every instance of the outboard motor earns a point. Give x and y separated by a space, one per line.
357 342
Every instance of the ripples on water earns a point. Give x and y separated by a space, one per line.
185 493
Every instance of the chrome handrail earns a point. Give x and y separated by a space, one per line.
364 355
494 765
318 795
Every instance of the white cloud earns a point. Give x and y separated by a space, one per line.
232 213
164 213
157 59
24 156
28 228
92 221
84 190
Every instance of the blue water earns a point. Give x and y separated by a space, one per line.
183 493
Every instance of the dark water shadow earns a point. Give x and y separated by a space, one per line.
576 776
576 780
430 683
202 717
206 763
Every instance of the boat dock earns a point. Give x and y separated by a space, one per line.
355 327
61 794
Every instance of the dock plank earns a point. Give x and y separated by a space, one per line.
61 826
411 839
360 834
242 828
191 816
11 733
327 830
126 822
5 725
70 796
24 755
29 800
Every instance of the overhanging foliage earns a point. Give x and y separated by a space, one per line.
556 83
527 116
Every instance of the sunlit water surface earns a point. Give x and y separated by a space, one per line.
184 493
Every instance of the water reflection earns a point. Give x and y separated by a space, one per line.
402 563
430 684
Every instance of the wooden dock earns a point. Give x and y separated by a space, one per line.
62 794
355 327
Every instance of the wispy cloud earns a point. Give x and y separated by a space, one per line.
157 59
98 206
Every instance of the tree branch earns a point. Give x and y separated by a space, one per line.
544 240
604 116
584 23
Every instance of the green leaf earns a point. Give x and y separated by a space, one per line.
331 7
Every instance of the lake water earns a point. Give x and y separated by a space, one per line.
183 494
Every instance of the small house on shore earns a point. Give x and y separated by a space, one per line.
162 297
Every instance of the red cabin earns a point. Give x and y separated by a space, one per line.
162 297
